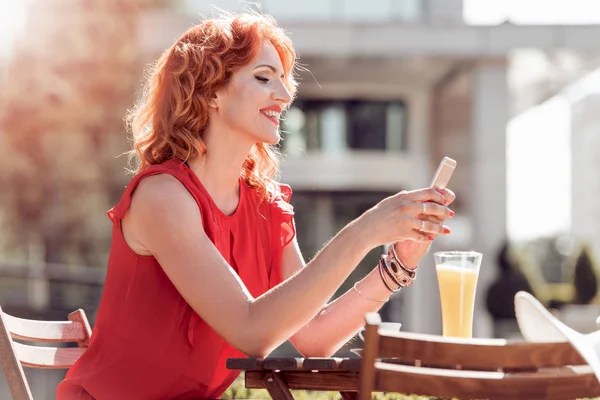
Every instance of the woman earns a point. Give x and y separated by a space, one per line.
204 264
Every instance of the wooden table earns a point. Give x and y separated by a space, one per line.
279 375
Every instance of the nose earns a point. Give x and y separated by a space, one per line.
282 94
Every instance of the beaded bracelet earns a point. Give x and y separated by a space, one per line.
400 276
380 267
396 270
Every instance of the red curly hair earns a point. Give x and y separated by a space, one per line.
172 115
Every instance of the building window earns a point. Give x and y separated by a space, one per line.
381 10
319 215
334 126
410 10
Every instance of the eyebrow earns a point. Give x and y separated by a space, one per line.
272 68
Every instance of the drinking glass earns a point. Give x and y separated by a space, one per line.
457 273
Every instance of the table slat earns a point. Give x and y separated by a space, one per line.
350 364
244 363
321 364
283 364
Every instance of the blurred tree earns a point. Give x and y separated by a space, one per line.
585 278
510 280
549 259
71 78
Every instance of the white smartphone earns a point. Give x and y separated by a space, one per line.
444 173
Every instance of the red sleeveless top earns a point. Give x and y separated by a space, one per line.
147 342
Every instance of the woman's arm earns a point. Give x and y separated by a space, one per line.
165 219
340 320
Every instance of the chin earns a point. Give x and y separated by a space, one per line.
274 141
272 138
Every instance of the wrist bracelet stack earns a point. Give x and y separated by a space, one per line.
394 274
392 269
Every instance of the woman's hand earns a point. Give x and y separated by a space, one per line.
410 252
416 215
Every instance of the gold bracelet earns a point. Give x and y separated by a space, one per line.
367 298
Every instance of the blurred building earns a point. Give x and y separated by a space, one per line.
585 190
393 87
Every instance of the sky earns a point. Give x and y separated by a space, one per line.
492 12
12 19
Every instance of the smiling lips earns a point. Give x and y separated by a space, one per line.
272 113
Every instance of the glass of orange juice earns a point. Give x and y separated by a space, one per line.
457 273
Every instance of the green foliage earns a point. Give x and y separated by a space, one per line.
238 391
509 281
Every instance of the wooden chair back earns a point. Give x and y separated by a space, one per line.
13 355
437 366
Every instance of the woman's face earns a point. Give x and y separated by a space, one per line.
252 102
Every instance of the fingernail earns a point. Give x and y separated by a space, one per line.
440 191
446 201
430 238
446 230
451 213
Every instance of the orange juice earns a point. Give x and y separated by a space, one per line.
457 295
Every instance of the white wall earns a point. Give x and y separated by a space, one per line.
322 10
585 194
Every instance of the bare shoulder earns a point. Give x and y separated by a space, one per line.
161 192
160 205
159 185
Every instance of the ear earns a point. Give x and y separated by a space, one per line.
214 101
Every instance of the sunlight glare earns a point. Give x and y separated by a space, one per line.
12 21
531 12
533 172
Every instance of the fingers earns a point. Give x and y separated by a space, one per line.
432 218
417 236
448 194
425 231
440 196
426 195
429 228
432 209
422 213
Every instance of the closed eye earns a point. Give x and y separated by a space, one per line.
262 79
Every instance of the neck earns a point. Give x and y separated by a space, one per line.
219 169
